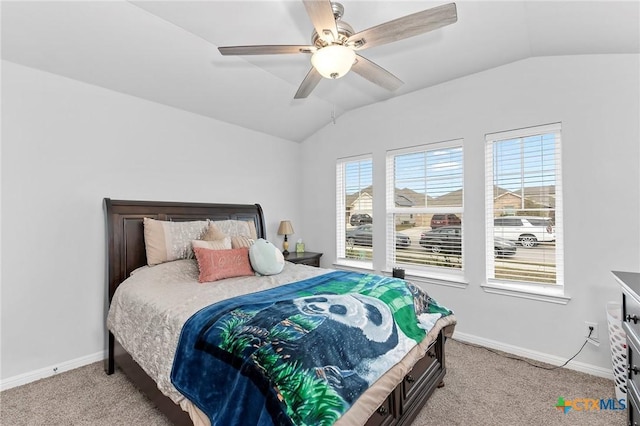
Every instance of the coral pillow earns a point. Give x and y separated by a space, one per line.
215 265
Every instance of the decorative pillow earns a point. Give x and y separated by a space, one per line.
265 258
166 240
215 265
213 233
252 230
221 244
234 228
241 241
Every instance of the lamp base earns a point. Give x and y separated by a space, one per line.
285 252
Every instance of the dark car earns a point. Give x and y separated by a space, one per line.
363 236
447 219
503 247
448 239
360 219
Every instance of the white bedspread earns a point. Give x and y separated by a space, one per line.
148 311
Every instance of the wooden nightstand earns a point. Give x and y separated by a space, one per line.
305 258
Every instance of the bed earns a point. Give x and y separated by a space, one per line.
396 398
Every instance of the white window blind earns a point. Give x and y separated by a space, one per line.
354 209
424 205
524 205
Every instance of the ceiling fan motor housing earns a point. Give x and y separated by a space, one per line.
344 30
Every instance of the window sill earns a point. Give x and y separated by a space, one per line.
541 293
352 265
437 279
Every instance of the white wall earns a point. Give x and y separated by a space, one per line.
65 146
596 98
61 154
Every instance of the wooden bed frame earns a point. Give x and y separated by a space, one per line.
126 252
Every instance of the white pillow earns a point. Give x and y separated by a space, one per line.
223 244
265 258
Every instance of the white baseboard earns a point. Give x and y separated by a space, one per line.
534 355
42 373
32 376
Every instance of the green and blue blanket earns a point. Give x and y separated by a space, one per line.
302 353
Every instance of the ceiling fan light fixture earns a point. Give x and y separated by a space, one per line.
333 61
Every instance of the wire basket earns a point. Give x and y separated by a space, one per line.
618 341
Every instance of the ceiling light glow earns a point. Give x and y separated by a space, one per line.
333 61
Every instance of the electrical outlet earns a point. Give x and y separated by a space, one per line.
594 333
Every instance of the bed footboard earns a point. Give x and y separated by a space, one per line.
400 408
405 402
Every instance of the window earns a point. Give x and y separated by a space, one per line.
424 208
524 207
354 210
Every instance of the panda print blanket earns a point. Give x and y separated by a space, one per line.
302 353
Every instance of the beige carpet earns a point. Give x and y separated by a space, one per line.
482 388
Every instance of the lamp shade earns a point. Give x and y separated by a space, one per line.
285 228
333 61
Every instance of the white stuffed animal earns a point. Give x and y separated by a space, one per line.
265 258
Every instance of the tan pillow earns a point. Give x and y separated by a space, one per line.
252 230
166 240
241 241
213 233
221 244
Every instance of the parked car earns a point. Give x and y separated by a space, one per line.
363 236
445 239
447 219
528 231
448 240
360 219
503 248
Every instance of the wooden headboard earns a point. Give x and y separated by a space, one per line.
125 230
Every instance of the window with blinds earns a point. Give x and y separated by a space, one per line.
354 210
524 206
424 208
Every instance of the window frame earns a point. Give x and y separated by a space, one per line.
554 293
341 210
440 275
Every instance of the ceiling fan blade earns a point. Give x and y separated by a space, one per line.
375 73
308 84
265 49
405 27
321 14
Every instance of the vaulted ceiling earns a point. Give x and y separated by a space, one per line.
166 51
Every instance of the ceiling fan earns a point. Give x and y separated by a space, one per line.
334 43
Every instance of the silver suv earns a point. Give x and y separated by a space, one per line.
526 230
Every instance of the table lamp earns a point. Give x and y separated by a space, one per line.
285 229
